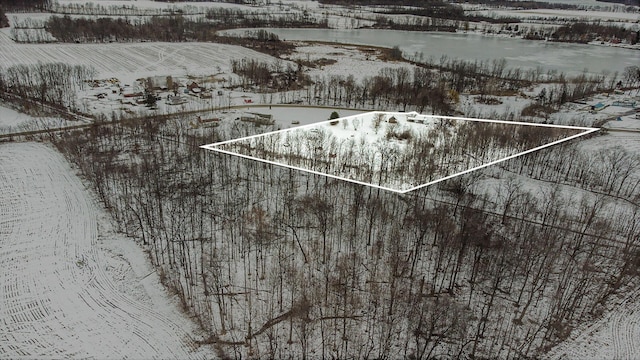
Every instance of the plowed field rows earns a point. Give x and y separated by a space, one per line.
58 296
130 61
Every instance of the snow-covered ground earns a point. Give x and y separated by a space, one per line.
627 122
565 14
342 148
68 287
10 117
12 121
130 61
350 60
616 336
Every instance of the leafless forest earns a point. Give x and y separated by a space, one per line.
276 263
398 152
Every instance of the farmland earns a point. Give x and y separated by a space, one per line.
68 288
123 238
133 60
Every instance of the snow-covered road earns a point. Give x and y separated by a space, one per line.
60 293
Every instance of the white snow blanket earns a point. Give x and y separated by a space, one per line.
60 291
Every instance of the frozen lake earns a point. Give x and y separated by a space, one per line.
527 54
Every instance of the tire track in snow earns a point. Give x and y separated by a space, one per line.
625 329
615 336
56 299
129 61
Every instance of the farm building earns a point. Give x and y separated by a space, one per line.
625 103
130 92
258 119
175 100
194 87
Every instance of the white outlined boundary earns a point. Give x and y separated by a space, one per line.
586 130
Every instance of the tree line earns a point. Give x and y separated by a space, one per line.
24 5
277 263
434 85
442 10
585 32
527 5
53 84
162 28
4 21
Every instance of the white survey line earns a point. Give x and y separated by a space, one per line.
586 130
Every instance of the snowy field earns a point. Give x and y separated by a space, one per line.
130 61
350 60
67 290
12 121
12 118
613 337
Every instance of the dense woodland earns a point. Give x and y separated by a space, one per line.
275 263
24 5
163 28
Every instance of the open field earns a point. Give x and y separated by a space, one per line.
66 290
130 61
612 337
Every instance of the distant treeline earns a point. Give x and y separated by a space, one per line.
583 33
168 28
225 18
4 22
522 4
446 11
24 5
220 1
415 3
625 2
430 8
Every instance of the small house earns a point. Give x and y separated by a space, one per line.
130 92
598 107
208 122
194 87
258 119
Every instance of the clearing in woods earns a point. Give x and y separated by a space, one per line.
399 152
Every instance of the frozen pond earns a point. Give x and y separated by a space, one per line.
527 54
